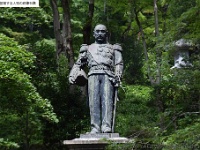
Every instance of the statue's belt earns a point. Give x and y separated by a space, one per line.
101 67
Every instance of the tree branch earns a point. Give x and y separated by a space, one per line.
144 46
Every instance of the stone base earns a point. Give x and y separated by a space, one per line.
100 135
94 141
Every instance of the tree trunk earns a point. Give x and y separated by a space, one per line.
88 25
158 75
156 18
144 46
57 29
87 29
158 52
67 33
131 16
63 36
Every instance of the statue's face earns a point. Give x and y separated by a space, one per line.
100 34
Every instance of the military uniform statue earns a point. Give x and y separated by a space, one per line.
105 65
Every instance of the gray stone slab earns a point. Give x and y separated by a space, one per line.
100 135
94 141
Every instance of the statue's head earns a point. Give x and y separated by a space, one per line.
100 34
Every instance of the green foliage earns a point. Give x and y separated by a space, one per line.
50 76
12 52
132 120
8 144
178 93
23 38
132 69
21 105
185 20
32 79
187 138
25 18
180 101
26 25
117 146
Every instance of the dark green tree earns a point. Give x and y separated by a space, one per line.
21 105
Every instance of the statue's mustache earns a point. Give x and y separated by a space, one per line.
99 36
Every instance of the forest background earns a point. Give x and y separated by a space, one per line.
158 106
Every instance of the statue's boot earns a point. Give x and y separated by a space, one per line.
94 131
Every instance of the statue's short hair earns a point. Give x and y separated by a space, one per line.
98 25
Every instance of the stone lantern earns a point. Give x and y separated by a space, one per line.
181 54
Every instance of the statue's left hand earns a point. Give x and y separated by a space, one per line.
117 81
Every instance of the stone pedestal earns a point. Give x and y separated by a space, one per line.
94 141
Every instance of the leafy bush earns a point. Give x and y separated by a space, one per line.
20 102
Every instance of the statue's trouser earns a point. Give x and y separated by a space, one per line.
100 92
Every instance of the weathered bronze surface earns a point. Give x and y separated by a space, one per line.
105 65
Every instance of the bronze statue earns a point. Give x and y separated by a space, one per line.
105 65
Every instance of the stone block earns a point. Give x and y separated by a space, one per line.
94 141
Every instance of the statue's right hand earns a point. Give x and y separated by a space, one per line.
71 80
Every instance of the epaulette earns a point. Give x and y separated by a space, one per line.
117 47
84 48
